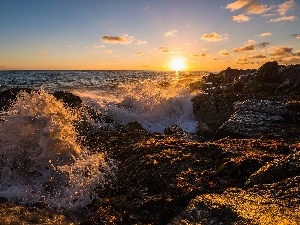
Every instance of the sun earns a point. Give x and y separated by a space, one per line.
178 64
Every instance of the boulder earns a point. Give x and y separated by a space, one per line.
268 73
68 98
276 171
9 96
251 118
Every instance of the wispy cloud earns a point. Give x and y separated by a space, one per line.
124 39
108 52
214 37
197 55
141 42
297 36
283 19
171 33
241 18
224 52
265 34
98 46
164 49
246 47
263 44
285 7
259 56
139 53
41 53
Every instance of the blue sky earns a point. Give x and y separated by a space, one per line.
148 34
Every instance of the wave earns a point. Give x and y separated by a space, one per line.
155 103
41 159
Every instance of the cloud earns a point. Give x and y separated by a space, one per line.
246 47
297 36
259 56
214 37
141 42
41 53
197 55
98 46
297 53
108 52
224 52
124 39
240 18
281 51
171 33
266 34
164 49
250 6
285 7
215 59
263 44
283 18
139 53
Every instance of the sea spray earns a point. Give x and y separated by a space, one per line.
155 103
40 159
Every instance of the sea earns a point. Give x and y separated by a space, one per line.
40 159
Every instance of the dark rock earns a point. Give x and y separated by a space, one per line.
212 110
251 118
9 96
134 126
236 206
276 171
68 98
268 73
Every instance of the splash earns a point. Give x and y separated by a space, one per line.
40 160
157 104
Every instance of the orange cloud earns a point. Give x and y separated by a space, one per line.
297 36
224 52
197 55
214 37
139 53
251 6
240 18
247 47
124 39
260 56
281 51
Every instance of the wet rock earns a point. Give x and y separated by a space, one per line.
212 110
68 98
251 117
9 96
236 206
276 171
12 213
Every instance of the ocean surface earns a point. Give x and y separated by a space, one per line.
40 159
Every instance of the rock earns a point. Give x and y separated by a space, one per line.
212 110
68 98
268 73
276 171
251 117
236 206
9 96
290 80
12 213
134 126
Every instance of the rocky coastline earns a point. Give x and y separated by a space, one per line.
241 167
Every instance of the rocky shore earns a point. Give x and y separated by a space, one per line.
242 166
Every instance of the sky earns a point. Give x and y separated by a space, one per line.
147 34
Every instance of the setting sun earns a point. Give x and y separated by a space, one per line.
178 64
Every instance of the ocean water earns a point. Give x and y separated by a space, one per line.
40 159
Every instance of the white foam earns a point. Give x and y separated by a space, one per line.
40 160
